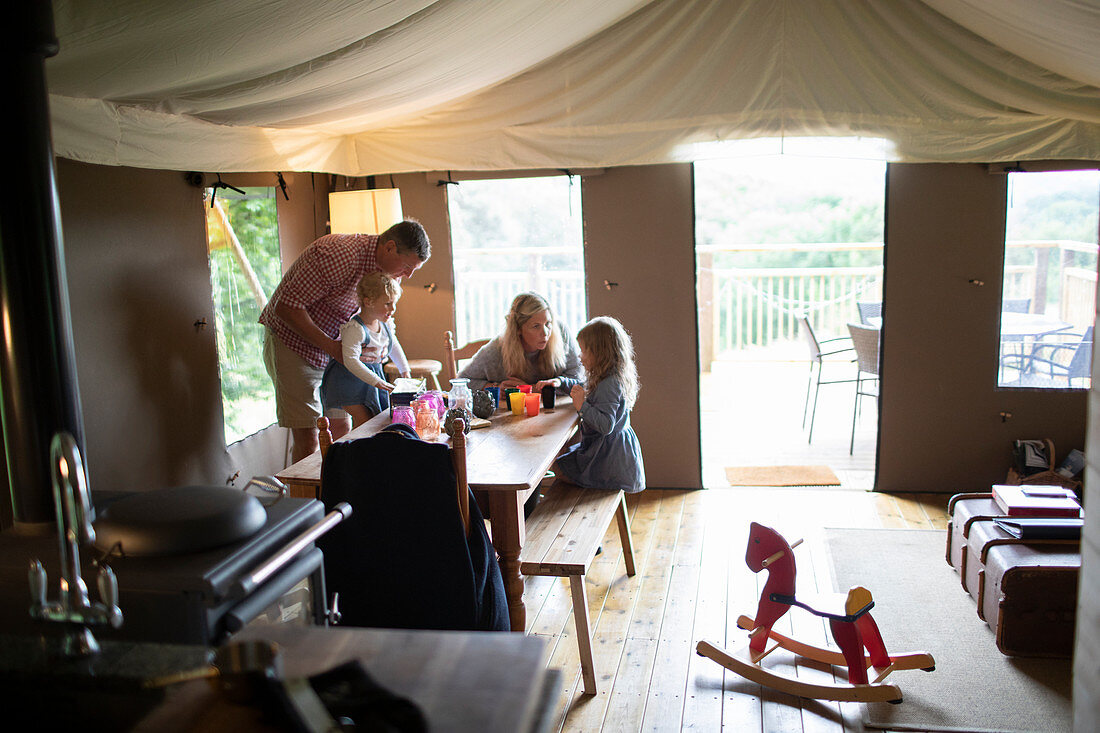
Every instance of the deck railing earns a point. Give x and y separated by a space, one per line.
741 308
487 279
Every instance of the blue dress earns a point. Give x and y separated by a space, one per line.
340 387
608 455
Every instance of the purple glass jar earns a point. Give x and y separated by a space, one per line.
403 414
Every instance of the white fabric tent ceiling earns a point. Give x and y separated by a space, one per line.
360 88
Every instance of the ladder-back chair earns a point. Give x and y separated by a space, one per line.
455 354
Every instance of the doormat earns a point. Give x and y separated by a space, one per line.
919 605
781 476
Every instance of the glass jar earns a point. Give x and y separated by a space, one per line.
427 419
403 414
438 400
460 394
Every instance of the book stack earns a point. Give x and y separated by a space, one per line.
1036 501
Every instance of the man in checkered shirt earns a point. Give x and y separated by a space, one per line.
303 319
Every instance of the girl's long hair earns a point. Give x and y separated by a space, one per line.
550 362
610 354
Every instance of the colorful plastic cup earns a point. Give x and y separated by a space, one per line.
548 395
515 401
532 402
506 397
525 388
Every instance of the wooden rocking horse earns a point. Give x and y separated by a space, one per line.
850 621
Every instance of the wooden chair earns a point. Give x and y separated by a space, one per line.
411 556
453 354
563 536
458 459
849 617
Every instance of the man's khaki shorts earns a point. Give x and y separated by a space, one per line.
297 385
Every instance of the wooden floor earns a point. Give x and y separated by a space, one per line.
691 584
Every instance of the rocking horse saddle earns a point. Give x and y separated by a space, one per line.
837 606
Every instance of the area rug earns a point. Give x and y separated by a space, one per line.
921 606
781 476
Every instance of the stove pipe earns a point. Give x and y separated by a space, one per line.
37 363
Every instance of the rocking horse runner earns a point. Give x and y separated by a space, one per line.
850 621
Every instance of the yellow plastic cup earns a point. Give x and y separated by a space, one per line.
516 402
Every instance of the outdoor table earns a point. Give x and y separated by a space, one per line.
1016 326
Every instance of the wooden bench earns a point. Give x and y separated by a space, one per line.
563 535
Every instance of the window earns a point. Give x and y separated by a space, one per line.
511 235
243 241
1048 299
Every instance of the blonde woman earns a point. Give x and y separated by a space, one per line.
533 349
608 455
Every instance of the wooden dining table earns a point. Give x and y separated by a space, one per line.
507 460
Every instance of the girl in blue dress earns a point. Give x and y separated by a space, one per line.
608 455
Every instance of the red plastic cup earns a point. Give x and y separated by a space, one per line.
525 388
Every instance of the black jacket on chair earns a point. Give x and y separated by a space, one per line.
402 560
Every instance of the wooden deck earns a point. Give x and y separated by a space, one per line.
752 416
691 584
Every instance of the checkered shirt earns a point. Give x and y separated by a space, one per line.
322 280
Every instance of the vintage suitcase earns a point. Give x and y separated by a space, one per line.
965 509
985 534
1029 597
982 532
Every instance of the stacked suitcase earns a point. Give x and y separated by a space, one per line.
1025 590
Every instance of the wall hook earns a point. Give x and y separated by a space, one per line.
975 281
221 184
199 324
608 284
1006 416
430 287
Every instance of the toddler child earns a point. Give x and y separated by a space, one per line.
367 340
608 455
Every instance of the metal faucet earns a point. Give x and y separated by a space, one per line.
74 527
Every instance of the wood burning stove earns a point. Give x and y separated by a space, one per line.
192 598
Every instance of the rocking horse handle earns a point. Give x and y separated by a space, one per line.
772 558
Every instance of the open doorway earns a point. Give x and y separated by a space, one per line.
789 240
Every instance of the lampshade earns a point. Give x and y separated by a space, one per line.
364 212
